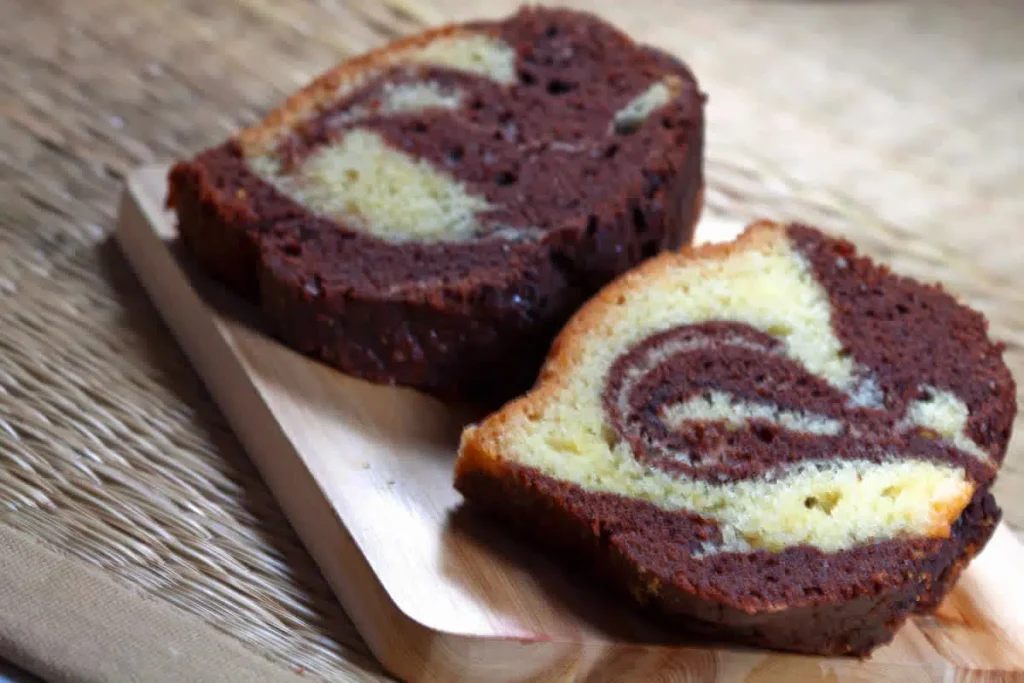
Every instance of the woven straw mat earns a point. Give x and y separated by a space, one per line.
896 124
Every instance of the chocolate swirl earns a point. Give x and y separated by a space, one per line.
722 402
522 145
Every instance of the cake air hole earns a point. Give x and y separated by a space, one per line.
826 502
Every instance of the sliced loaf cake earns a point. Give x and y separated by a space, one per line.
774 441
431 213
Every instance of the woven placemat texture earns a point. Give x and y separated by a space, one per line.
896 124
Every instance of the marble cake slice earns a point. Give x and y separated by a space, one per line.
773 441
431 213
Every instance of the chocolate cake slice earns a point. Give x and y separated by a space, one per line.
431 213
774 441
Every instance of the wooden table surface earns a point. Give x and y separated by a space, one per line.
919 164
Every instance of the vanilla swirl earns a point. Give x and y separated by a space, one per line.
721 401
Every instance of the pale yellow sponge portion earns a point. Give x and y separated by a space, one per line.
945 414
721 407
417 97
563 430
636 111
476 53
769 287
363 182
833 505
370 186
402 98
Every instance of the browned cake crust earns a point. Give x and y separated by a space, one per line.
800 598
470 319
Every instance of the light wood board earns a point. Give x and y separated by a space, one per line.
364 474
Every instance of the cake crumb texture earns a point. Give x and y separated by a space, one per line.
742 395
431 213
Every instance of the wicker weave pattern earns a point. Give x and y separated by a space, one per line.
110 448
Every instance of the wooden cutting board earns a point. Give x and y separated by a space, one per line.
364 474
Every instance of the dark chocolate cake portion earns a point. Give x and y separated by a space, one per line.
774 441
430 214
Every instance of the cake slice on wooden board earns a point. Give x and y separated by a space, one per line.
431 213
775 441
